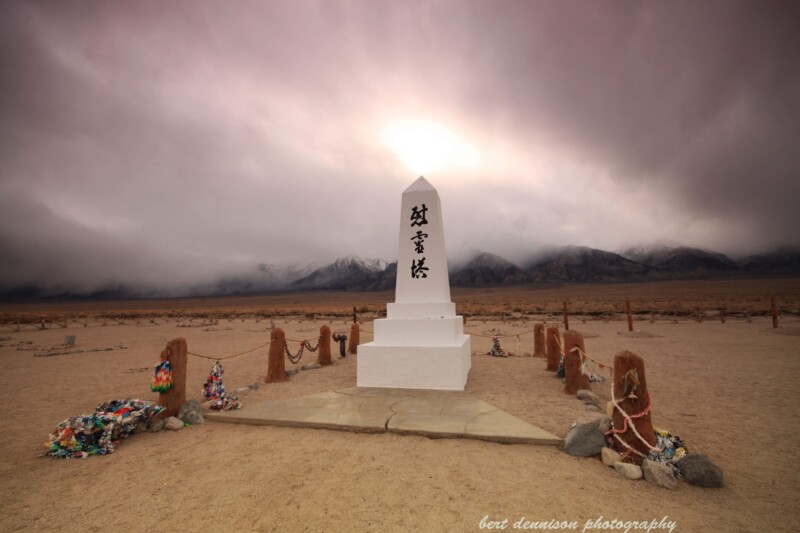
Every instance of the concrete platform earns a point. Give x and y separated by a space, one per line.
437 414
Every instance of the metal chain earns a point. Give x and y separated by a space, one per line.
308 345
294 358
341 339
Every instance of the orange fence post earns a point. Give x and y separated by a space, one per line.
574 379
630 393
354 339
276 366
173 399
552 345
324 356
538 341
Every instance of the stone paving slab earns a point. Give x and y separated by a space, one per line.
437 414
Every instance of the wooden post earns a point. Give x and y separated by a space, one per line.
324 356
553 348
173 399
538 341
355 315
774 312
628 312
630 391
276 366
354 340
566 317
722 315
574 379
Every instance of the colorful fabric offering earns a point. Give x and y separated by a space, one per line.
162 381
214 391
98 433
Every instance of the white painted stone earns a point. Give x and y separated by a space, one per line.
421 342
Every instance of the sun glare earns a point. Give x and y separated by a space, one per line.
426 146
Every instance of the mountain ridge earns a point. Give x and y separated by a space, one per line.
557 264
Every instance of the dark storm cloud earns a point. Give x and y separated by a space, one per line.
165 144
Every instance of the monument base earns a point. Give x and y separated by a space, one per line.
415 367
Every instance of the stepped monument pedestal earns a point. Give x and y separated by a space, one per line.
421 342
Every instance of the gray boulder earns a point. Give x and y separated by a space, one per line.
698 470
191 412
155 425
659 473
584 440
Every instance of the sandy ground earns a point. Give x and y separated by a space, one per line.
730 390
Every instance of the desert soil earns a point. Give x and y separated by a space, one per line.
729 390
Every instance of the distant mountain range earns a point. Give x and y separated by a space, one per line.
565 264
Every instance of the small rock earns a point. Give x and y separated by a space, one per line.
254 386
584 440
699 470
605 424
292 372
588 397
173 423
155 426
610 457
628 470
191 412
141 427
311 366
592 407
659 473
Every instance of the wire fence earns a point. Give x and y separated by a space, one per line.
29 322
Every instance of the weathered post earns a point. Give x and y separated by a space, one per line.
632 428
538 341
176 353
574 379
628 313
553 347
324 355
774 312
355 315
566 317
276 366
354 340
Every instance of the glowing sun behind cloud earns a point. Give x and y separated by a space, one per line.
425 146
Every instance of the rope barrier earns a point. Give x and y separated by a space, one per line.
227 356
584 355
629 419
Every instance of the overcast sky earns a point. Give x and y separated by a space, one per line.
172 142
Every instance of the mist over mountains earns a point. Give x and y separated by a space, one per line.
557 264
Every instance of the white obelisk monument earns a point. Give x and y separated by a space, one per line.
421 342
